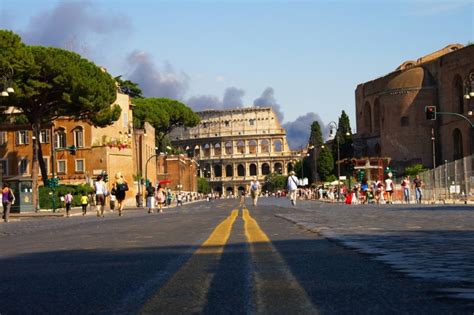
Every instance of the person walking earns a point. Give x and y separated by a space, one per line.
160 197
8 199
406 188
121 187
389 187
68 200
150 198
100 194
292 186
84 203
254 190
113 197
418 183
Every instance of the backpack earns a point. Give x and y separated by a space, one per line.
254 187
122 187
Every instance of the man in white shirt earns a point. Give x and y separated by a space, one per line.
254 190
292 186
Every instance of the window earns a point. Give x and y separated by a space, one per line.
217 149
44 136
252 147
23 166
79 166
22 137
125 119
61 166
60 139
252 122
241 147
277 145
79 137
4 166
228 148
264 148
253 170
3 137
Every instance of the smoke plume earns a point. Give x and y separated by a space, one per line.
267 99
298 131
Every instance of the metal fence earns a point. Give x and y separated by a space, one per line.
450 181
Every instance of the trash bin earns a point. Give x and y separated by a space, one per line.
23 191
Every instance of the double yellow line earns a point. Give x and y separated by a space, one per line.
186 292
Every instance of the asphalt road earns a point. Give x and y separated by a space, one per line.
212 258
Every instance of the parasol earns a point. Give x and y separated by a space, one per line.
163 182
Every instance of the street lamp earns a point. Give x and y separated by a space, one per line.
469 86
302 169
157 153
6 76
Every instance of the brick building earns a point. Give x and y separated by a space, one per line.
179 170
115 148
233 146
390 110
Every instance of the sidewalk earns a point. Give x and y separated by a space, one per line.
77 211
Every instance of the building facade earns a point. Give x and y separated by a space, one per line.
233 146
390 110
115 148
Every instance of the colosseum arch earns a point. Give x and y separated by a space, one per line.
228 147
240 170
277 145
253 147
278 168
218 170
229 172
241 147
265 169
217 149
207 150
253 169
264 146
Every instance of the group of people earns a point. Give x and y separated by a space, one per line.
159 197
382 191
118 191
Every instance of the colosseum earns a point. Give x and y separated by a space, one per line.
233 146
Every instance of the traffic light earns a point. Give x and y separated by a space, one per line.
72 149
430 112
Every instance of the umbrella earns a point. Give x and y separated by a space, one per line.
166 181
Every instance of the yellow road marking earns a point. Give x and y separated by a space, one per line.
273 280
186 291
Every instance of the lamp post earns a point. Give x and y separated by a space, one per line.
302 168
335 135
7 75
157 153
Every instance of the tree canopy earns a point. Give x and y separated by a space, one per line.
130 88
163 114
325 163
50 83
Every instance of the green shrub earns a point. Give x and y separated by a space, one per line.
46 195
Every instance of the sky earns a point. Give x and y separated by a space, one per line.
303 58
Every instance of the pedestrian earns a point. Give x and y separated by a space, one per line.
8 199
150 198
179 199
254 190
389 187
169 197
100 194
113 197
418 183
68 200
160 197
84 203
121 187
292 186
406 188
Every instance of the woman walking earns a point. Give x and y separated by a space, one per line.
160 197
121 186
